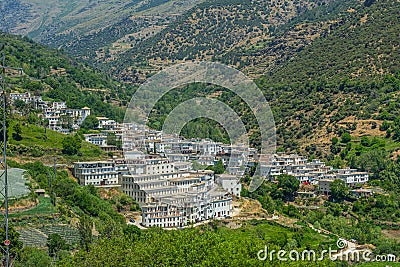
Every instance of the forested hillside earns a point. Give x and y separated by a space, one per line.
341 79
208 31
344 81
55 76
366 45
90 30
329 70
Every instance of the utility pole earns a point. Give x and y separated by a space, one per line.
3 163
53 197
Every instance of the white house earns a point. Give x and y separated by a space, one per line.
352 176
97 173
96 139
230 183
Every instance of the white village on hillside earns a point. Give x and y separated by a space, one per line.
165 174
161 172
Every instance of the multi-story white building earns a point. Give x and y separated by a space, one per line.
149 166
96 139
59 116
145 188
178 157
207 160
206 147
27 98
176 197
181 210
106 123
230 183
352 177
281 159
97 173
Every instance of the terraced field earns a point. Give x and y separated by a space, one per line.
37 236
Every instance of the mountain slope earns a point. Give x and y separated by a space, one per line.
86 27
345 81
209 30
329 68
315 94
366 45
56 76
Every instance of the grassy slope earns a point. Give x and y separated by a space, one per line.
43 208
45 145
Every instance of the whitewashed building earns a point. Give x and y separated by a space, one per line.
352 177
96 139
97 173
230 183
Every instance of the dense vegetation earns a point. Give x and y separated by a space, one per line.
57 77
333 99
211 245
208 31
332 83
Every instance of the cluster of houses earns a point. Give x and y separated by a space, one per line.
171 194
64 120
161 172
164 173
237 158
60 118
313 172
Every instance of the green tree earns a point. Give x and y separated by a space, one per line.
71 144
112 140
66 121
19 104
30 256
90 123
85 231
219 168
385 126
365 141
374 161
334 140
288 185
346 137
337 163
132 232
33 118
13 236
17 134
55 243
339 191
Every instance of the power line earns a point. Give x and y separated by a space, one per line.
3 163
